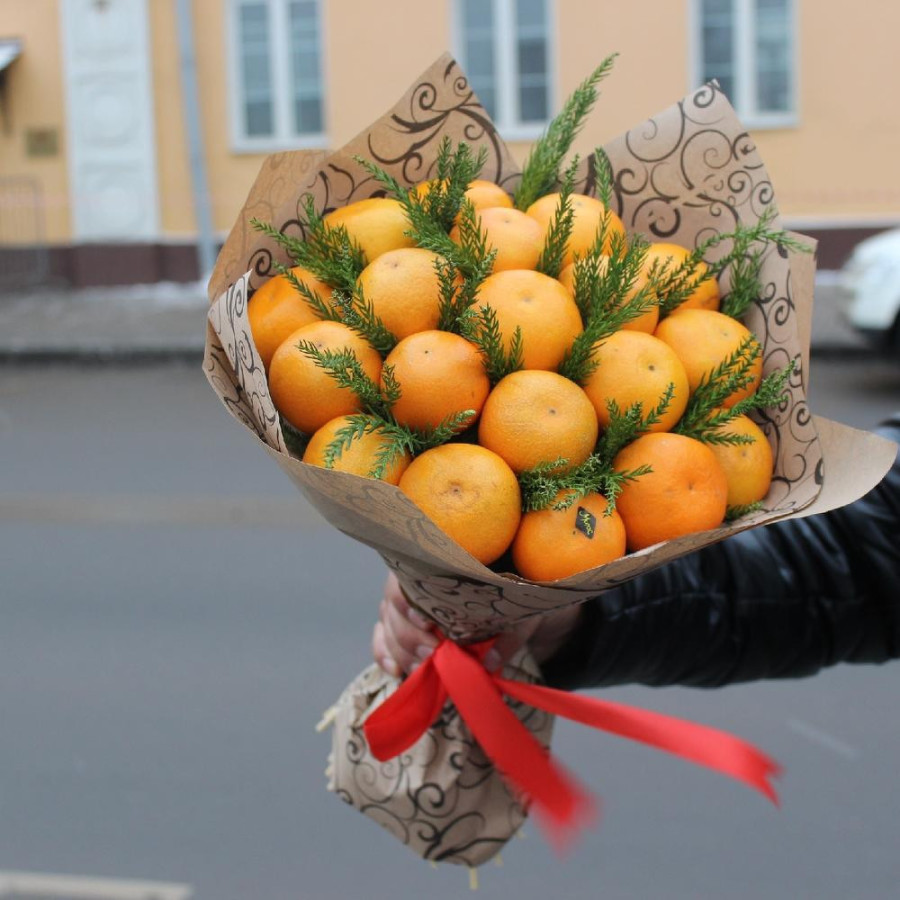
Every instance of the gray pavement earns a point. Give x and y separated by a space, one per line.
166 321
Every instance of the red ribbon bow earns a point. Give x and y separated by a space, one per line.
458 673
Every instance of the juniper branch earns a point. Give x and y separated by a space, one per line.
560 229
541 171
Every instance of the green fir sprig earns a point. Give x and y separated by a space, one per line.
398 440
547 486
603 174
329 253
705 417
322 308
482 327
626 425
560 229
358 313
540 174
602 289
742 509
344 367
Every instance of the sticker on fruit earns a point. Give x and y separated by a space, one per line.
521 386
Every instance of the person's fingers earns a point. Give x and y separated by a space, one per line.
405 637
381 654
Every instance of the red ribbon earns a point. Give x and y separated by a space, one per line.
457 673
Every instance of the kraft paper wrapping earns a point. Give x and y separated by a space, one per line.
683 175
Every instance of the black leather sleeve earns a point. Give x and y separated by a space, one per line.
780 601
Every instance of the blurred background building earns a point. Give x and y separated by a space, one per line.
131 130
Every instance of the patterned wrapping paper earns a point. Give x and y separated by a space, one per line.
680 176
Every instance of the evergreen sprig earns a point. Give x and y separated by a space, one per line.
482 327
398 440
604 177
344 367
629 424
674 284
358 313
320 307
604 295
328 252
541 171
705 419
704 409
560 230
546 486
742 509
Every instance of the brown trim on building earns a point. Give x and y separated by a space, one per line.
95 265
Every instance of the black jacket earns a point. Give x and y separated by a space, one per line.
780 601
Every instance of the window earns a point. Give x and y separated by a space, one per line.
504 48
277 96
749 47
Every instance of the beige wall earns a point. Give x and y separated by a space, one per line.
838 164
33 98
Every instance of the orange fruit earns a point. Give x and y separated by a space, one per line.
440 374
276 309
403 287
637 368
376 225
484 194
748 467
517 238
589 214
540 306
533 417
646 321
306 395
670 257
685 493
555 543
481 193
470 494
702 340
359 457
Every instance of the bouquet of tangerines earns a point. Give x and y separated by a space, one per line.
519 396
532 377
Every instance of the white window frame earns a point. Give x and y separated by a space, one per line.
507 119
284 138
744 101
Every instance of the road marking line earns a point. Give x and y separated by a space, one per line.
822 738
144 509
45 886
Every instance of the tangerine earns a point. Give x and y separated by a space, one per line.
517 238
376 225
537 304
637 368
276 309
748 467
533 417
646 321
555 543
358 458
704 339
440 375
685 492
669 257
305 394
470 493
589 215
404 290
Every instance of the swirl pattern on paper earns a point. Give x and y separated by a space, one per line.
443 797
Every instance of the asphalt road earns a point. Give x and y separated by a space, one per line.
174 618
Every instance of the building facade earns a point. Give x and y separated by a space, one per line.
129 128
